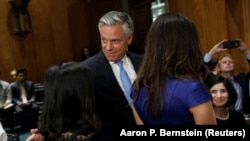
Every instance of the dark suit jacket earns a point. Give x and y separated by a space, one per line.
111 104
243 80
16 92
246 97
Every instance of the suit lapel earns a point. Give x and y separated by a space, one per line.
104 66
135 61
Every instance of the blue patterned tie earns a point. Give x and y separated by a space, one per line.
126 83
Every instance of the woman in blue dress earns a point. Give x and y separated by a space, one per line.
169 89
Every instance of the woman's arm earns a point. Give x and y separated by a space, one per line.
204 114
136 116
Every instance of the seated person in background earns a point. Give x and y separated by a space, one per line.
5 95
13 75
23 95
68 109
86 52
226 69
224 96
6 105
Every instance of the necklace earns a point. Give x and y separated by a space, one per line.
225 118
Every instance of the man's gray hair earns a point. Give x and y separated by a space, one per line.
117 17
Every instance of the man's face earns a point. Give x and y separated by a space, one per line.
226 64
114 41
20 77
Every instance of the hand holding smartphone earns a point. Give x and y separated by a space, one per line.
231 44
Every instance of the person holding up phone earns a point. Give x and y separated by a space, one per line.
231 44
226 69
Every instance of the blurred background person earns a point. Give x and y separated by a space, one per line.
224 96
13 75
5 95
6 105
86 52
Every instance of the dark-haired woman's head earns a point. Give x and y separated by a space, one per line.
69 100
222 91
172 49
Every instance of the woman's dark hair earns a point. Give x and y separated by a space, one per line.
172 49
215 79
68 101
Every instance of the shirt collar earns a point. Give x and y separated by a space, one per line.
124 59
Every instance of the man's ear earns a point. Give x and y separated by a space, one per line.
130 39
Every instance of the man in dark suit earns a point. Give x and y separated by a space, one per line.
23 97
116 32
112 103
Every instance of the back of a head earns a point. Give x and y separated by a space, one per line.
13 72
70 83
117 17
69 96
172 47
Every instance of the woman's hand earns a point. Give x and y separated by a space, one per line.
35 136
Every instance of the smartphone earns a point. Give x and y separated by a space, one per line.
231 44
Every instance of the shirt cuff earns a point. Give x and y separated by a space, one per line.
248 56
207 58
